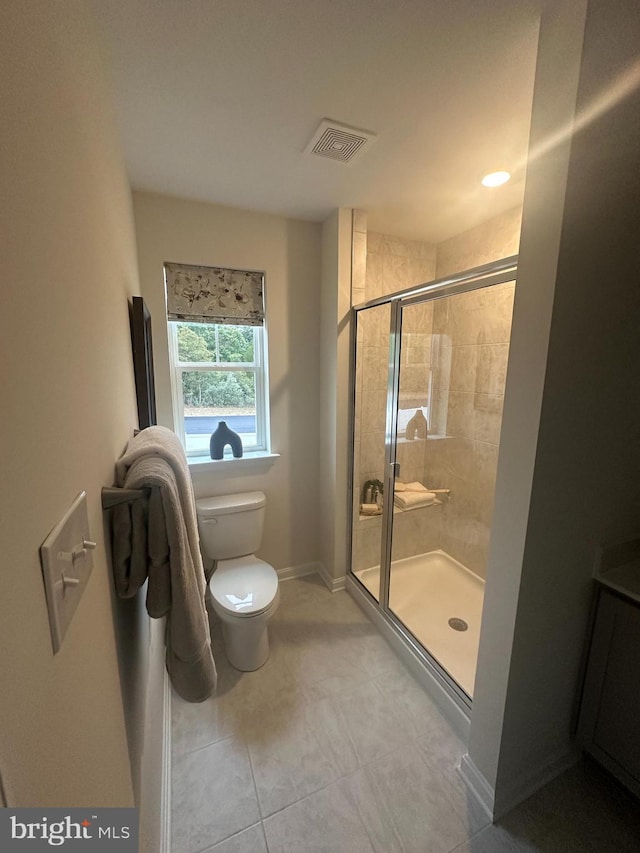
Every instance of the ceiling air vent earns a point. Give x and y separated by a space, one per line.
338 141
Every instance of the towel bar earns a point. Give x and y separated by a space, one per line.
113 496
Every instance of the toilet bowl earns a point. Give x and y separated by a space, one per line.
244 589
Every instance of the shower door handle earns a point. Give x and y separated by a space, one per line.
392 473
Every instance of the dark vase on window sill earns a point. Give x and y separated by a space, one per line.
222 436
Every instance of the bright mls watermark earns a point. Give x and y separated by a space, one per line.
103 830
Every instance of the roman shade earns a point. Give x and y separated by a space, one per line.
214 295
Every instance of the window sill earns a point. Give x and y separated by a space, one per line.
259 461
431 437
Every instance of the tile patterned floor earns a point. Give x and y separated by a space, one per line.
332 747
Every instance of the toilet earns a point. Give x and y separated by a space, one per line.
244 588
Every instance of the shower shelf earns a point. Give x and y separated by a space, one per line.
397 510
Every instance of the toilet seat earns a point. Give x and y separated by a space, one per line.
244 586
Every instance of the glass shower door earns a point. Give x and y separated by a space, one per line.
371 381
450 387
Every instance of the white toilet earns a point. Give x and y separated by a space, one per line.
244 589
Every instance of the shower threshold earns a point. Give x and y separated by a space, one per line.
429 592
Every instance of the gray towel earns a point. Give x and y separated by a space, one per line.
158 538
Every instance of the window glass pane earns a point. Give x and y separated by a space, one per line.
215 343
212 396
235 343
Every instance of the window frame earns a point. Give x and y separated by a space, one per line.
258 367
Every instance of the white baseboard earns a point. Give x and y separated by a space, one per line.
298 571
334 584
165 802
155 776
515 792
497 806
477 784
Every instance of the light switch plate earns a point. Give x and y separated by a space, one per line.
67 562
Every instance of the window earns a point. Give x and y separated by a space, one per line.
218 374
217 355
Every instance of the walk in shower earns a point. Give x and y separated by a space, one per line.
429 378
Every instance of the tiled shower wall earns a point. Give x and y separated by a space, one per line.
395 264
463 342
473 330
496 238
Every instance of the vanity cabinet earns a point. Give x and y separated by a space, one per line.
609 722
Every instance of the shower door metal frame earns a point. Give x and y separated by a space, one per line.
499 272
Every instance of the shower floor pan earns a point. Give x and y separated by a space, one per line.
425 593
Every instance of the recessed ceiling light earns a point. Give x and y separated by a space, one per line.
495 179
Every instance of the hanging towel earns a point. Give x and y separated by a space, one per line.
157 537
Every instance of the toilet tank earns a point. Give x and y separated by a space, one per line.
231 525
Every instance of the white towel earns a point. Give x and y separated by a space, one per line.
370 509
412 500
410 487
158 537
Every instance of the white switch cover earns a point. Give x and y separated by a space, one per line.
66 566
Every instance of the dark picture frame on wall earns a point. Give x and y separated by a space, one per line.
142 346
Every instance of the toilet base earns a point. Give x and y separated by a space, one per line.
246 645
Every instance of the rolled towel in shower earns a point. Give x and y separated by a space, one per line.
370 509
410 500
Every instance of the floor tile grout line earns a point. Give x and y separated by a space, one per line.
361 763
361 766
253 778
475 835
181 754
301 799
212 847
244 743
345 729
448 786
431 755
203 746
264 835
313 793
389 816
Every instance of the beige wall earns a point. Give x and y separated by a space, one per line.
532 701
589 425
69 265
337 234
288 250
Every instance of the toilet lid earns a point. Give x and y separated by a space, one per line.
245 586
223 504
